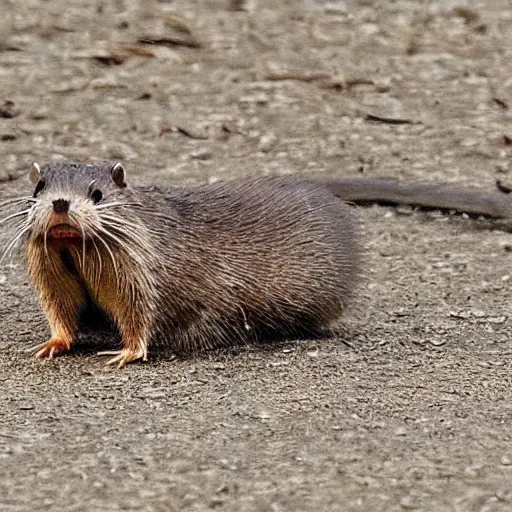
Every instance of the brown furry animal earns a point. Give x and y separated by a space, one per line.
196 267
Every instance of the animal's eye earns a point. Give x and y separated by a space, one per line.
39 186
96 196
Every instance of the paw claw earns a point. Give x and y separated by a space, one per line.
50 348
124 356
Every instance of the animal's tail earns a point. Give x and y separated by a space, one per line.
444 197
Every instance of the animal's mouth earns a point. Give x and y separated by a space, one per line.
63 232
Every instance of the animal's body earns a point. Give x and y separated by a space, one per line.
195 267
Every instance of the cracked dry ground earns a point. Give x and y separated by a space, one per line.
417 414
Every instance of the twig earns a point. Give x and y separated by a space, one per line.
302 77
188 133
241 5
329 81
184 131
503 186
346 84
190 42
389 120
500 103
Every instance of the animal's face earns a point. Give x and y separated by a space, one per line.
75 201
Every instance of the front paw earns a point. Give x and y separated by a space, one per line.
50 348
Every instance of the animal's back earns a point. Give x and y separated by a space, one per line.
250 259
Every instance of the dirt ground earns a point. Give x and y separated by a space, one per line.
417 414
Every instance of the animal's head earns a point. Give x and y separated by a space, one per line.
73 203
71 199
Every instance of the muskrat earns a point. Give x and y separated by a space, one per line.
192 267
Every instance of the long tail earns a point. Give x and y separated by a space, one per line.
496 205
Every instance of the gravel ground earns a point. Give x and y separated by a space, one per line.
415 414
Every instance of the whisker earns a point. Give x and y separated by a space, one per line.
100 265
115 203
79 224
128 234
45 239
15 200
14 240
83 246
122 222
121 243
163 216
77 253
14 215
130 231
98 236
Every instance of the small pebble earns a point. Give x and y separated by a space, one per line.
119 150
9 109
201 154
473 471
259 99
506 460
502 167
410 503
267 141
506 246
154 393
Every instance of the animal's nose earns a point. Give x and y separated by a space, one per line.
60 206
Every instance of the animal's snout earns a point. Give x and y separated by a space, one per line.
60 206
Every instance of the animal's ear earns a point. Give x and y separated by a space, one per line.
35 173
118 174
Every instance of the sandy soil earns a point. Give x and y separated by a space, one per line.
417 415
